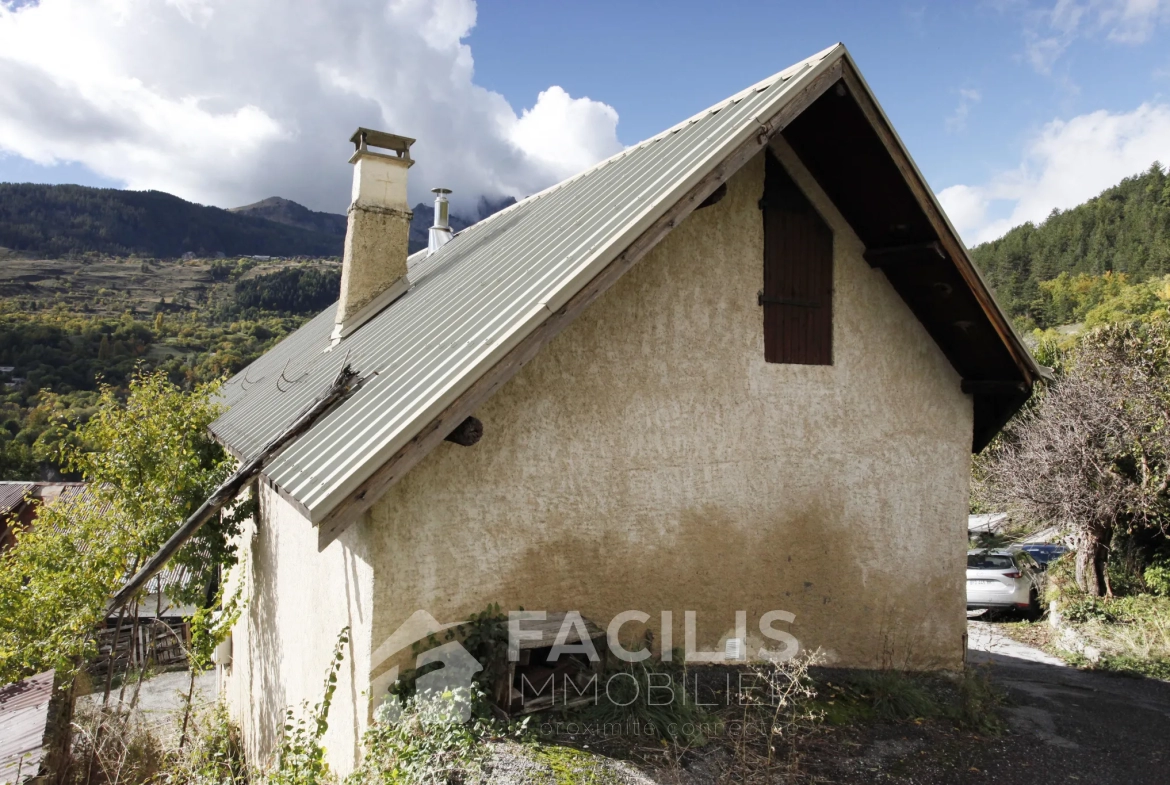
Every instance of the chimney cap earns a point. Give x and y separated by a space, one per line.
369 137
440 190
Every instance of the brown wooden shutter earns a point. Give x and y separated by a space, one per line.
798 274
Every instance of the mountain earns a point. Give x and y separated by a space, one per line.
424 219
285 211
61 220
288 212
1125 229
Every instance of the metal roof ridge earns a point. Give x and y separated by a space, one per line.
769 81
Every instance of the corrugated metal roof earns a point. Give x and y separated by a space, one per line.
12 494
473 300
24 712
79 493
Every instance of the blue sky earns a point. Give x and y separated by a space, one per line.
1010 108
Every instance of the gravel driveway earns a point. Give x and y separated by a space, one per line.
1071 725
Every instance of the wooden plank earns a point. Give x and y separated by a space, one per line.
407 457
951 244
550 626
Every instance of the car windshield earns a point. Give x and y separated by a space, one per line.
989 561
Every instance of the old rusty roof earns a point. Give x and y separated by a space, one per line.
12 495
24 714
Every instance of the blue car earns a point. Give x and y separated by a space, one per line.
1044 553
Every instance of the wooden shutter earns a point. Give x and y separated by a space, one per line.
798 274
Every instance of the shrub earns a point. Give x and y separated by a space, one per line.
1157 576
426 742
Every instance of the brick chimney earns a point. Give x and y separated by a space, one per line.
373 266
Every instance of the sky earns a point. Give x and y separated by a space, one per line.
1011 108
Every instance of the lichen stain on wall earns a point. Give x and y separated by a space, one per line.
649 459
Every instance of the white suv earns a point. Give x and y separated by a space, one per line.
1003 579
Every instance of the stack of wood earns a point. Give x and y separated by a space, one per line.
536 682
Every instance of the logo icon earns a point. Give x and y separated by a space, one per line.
448 688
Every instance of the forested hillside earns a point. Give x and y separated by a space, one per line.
52 221
91 322
1126 229
59 220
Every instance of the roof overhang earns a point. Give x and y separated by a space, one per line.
848 144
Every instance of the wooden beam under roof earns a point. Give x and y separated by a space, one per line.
942 228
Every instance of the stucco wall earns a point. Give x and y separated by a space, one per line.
650 459
297 602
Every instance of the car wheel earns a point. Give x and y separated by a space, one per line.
1034 610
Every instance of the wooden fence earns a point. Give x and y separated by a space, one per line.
155 642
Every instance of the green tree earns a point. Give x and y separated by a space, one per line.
1092 456
1125 229
150 463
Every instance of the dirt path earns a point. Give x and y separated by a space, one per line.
1070 725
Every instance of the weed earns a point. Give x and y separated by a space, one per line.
300 756
568 766
214 754
424 740
893 695
653 694
1124 665
971 702
978 704
111 747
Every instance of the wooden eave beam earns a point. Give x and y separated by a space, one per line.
433 433
715 198
950 244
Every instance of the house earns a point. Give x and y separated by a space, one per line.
740 367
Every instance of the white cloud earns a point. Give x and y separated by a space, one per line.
229 101
567 134
1053 29
968 97
1066 163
